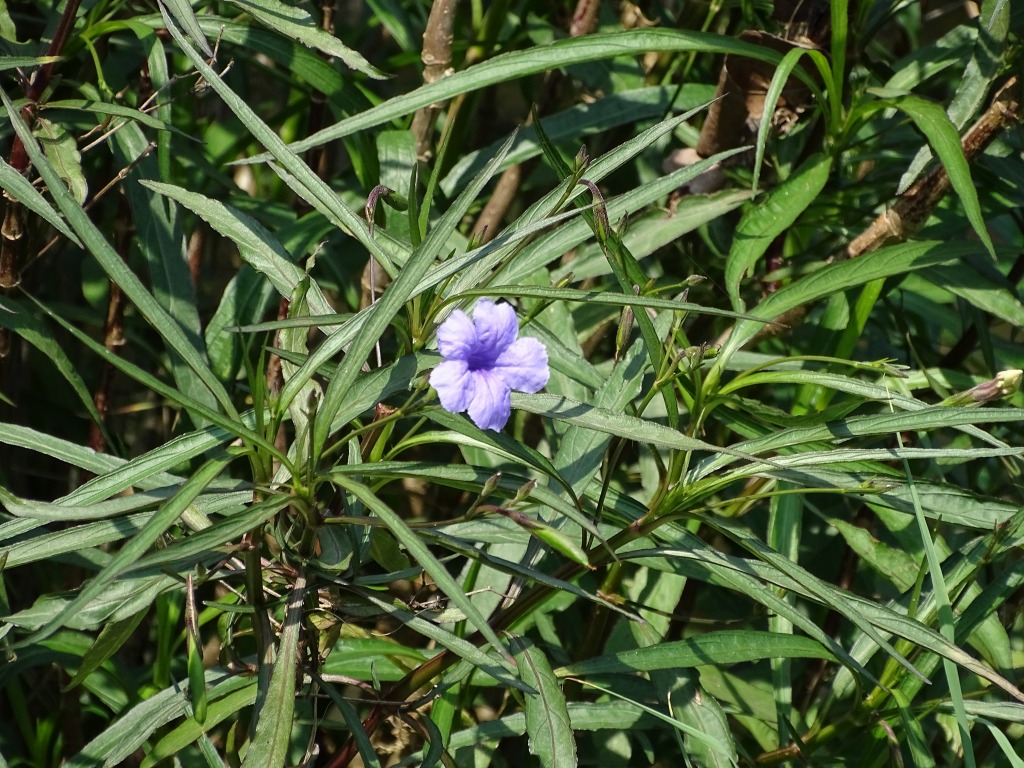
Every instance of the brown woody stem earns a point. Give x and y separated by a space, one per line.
113 332
437 62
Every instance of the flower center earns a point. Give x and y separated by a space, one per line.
481 358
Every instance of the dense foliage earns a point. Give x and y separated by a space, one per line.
765 257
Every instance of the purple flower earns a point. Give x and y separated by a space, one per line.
484 362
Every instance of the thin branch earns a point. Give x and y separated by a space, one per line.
437 62
912 209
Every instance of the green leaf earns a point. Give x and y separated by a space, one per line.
22 62
130 732
79 538
694 733
62 151
246 297
833 101
555 539
434 749
614 423
519 64
470 478
122 599
183 553
944 138
182 12
269 747
1010 752
307 64
396 155
942 502
808 584
74 454
944 611
256 245
999 710
161 240
93 106
984 65
915 738
925 419
547 718
893 564
705 715
297 24
717 648
885 262
584 716
603 298
581 451
785 527
991 293
191 731
767 218
109 641
475 656
855 608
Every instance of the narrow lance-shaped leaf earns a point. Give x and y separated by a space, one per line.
107 643
182 12
885 262
547 718
129 732
767 218
984 66
554 538
269 748
944 138
704 714
190 731
196 679
296 23
718 648
62 151
161 241
256 245
25 62
519 64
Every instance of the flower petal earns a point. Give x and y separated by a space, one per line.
491 404
496 329
455 385
524 366
456 337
